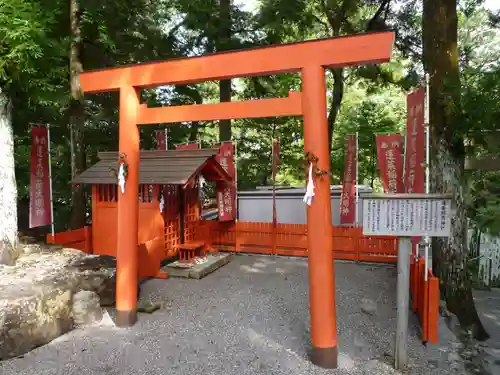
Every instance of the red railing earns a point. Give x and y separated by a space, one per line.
80 239
348 243
425 298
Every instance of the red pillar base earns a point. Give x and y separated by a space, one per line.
324 357
125 319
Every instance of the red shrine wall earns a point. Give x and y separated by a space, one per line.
159 232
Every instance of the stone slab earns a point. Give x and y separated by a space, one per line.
198 271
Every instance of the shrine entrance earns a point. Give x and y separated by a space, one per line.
310 59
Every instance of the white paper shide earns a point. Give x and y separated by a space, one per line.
121 178
310 188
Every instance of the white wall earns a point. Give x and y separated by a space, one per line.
258 206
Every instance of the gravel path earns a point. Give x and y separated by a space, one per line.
250 317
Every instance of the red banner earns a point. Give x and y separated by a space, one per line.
415 143
348 199
226 158
276 158
161 139
415 147
226 192
39 178
390 161
187 146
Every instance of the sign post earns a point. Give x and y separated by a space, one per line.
406 216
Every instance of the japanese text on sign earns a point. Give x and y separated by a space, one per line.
407 217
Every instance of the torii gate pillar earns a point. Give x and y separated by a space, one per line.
324 351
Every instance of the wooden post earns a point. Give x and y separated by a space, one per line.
403 298
128 211
319 222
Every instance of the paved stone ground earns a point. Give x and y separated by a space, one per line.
250 317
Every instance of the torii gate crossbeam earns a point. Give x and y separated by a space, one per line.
310 59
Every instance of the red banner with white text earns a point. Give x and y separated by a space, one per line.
415 143
39 178
390 161
226 191
348 199
415 147
161 139
188 146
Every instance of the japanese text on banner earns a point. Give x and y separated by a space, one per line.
415 143
347 199
226 191
415 146
390 161
40 214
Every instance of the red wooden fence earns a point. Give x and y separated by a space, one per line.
425 298
80 239
348 243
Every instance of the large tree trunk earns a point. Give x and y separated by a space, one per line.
440 51
8 188
337 95
76 120
195 125
224 44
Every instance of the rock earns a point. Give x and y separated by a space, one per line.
8 253
368 306
33 320
36 295
86 308
443 310
148 307
454 357
98 274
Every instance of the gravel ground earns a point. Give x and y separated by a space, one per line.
250 317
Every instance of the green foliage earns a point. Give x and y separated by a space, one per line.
23 28
382 111
34 48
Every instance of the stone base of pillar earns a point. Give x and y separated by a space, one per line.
125 318
324 357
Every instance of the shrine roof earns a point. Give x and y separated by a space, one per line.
175 167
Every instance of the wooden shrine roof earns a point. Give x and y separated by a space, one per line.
175 167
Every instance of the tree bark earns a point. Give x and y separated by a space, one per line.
450 263
195 125
8 187
193 132
337 95
76 119
224 43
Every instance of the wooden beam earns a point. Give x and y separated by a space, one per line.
291 106
370 48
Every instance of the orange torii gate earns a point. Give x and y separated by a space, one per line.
310 58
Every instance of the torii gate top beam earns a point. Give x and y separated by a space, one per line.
370 48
